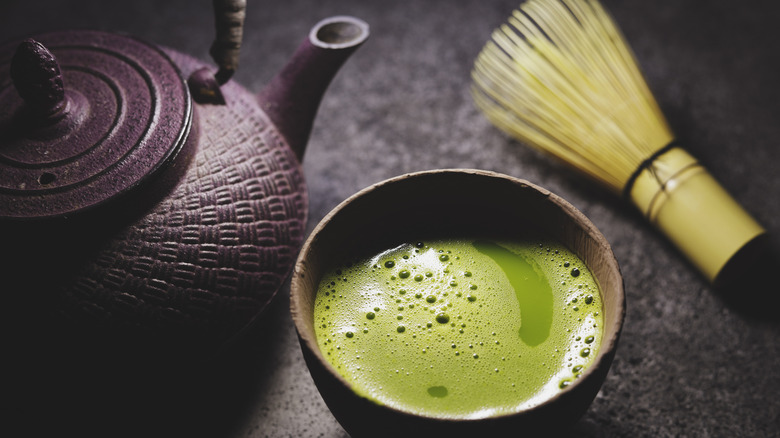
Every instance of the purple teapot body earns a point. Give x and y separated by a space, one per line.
162 224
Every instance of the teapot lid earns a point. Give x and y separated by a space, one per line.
87 126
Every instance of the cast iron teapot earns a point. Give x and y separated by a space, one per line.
142 210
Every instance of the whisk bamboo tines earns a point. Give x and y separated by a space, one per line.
560 77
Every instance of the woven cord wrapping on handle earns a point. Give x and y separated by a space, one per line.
229 16
646 164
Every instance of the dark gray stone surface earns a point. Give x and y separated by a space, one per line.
691 362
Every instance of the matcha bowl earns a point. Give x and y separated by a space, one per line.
416 267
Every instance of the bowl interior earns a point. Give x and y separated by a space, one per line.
451 203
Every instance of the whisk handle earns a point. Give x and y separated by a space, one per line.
679 196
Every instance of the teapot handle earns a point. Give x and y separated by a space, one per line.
229 20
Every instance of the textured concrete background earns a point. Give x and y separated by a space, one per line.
693 361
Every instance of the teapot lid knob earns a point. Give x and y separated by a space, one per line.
38 79
85 117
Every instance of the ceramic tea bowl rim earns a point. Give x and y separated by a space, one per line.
605 354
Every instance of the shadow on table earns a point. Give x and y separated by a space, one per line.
188 398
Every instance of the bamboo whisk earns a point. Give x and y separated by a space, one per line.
560 77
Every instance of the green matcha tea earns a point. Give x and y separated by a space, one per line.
459 328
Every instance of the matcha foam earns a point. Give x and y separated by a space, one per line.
461 328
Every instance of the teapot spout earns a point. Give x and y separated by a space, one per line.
293 96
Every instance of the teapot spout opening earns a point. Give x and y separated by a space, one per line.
339 32
293 96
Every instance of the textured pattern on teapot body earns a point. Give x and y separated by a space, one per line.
211 255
